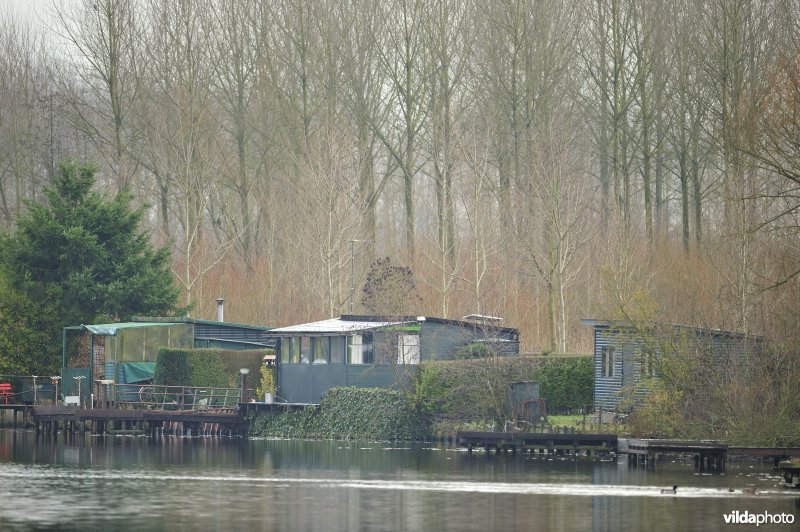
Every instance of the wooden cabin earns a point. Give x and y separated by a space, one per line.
374 351
626 353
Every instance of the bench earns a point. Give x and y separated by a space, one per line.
6 393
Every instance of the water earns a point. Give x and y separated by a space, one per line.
183 484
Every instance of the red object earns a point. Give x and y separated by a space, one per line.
6 393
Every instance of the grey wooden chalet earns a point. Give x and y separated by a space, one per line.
373 351
626 353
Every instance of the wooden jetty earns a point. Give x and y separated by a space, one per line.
707 454
775 453
49 420
550 443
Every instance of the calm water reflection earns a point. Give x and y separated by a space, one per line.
220 484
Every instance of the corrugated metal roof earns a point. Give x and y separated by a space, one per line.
335 325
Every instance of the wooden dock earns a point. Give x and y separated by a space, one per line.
707 454
775 453
550 443
49 420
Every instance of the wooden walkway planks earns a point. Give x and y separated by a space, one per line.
707 454
48 418
522 441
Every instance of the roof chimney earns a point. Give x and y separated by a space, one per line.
220 309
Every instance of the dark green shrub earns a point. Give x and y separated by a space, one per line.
172 368
206 368
190 367
566 383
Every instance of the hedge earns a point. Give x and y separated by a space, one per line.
216 368
253 359
347 413
477 389
189 367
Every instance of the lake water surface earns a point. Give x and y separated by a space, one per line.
190 484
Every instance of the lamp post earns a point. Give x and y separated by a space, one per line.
55 379
243 384
78 379
353 270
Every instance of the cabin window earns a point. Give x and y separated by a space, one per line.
355 349
305 350
286 350
320 349
338 349
408 349
359 349
290 350
608 359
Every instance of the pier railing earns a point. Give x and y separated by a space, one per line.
41 390
160 397
28 389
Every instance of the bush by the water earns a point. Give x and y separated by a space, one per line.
477 389
347 413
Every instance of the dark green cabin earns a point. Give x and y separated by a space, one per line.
374 351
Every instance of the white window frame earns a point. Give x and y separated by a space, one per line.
408 351
608 361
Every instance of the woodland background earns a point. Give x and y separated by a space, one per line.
540 161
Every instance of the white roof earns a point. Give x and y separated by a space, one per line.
335 325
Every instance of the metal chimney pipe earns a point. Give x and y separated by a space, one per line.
220 309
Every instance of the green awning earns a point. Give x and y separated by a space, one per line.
111 329
138 371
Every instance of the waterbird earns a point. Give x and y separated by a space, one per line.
673 490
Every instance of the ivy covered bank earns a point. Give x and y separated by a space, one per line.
347 414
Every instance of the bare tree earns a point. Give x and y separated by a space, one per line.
477 201
406 66
326 192
106 37
450 42
23 125
183 152
607 55
555 230
234 57
363 30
